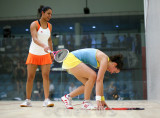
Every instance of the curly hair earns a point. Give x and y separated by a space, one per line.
118 59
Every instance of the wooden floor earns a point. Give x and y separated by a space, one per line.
11 109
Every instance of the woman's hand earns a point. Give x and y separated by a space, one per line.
46 48
104 104
52 56
100 105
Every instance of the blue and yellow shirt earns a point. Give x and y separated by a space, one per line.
87 56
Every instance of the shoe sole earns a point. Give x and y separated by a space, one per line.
50 105
25 106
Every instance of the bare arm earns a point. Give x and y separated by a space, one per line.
100 76
50 44
50 40
103 60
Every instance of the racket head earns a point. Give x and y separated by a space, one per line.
60 55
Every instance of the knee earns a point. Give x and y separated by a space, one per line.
93 77
45 76
30 78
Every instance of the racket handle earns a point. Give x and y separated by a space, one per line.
49 51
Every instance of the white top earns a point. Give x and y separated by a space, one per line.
43 36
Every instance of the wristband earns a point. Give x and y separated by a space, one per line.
102 98
98 98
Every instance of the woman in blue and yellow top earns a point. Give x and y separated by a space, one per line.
75 63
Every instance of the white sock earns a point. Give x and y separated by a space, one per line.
46 99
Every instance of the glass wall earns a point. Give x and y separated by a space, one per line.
122 34
129 84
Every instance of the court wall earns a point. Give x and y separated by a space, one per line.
152 30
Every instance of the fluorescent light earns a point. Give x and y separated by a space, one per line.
93 27
70 28
117 26
26 30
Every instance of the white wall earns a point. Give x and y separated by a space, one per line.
19 8
152 18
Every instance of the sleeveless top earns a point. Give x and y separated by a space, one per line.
43 35
87 56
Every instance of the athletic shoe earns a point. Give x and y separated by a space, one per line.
88 106
47 103
26 103
67 100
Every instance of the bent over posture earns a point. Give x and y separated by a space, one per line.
75 63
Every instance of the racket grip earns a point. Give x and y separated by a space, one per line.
49 51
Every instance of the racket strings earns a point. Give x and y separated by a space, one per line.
60 56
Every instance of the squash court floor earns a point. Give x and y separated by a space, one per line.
11 109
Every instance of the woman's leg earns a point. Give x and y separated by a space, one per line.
78 91
31 71
45 74
87 76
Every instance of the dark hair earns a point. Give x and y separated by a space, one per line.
118 59
40 9
44 9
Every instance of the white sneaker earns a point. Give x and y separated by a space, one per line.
67 101
26 103
88 106
48 103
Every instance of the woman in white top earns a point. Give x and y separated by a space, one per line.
38 55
